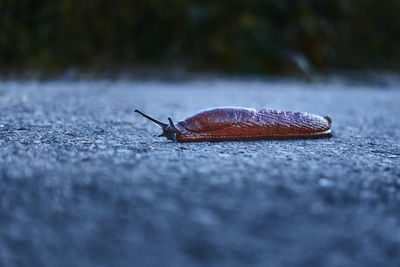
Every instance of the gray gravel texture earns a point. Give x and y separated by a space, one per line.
84 181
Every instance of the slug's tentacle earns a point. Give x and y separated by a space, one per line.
171 123
156 122
238 124
169 131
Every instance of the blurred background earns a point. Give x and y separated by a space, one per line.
239 36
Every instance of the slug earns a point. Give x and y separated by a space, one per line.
244 124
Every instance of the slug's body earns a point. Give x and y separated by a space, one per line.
240 124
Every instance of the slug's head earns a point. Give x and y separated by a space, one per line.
169 131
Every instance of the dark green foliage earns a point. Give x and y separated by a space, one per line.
239 35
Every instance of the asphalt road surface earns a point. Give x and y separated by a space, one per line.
85 181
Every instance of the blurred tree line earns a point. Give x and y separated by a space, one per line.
270 36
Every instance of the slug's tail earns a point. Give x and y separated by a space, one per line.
158 123
328 119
